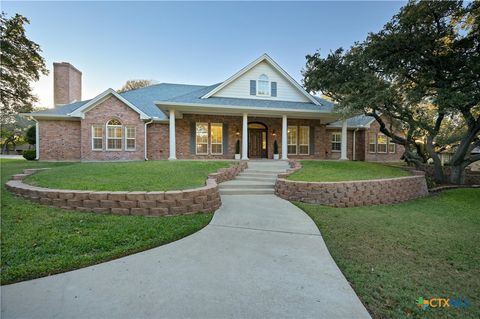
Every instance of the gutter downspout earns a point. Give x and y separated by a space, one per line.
37 139
354 139
145 138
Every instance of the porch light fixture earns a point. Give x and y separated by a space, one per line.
274 133
237 132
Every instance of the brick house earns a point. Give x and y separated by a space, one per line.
257 106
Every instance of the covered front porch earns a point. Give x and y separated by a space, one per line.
212 132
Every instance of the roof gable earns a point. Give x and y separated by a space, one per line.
80 112
237 86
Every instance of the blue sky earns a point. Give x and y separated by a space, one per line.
188 42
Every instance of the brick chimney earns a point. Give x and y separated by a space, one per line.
67 83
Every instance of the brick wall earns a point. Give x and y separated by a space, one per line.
159 132
352 193
111 108
327 141
59 140
157 141
190 201
381 157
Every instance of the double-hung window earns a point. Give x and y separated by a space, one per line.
336 141
216 138
372 143
114 135
391 146
202 138
97 137
381 143
130 134
292 140
304 140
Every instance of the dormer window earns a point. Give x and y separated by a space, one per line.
263 85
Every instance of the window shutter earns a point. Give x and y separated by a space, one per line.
253 87
193 135
273 89
312 140
225 138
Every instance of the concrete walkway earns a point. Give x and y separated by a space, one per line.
260 257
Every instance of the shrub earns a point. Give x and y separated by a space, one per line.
30 155
31 135
237 147
275 147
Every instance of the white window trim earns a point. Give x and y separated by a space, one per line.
113 138
369 143
94 138
386 144
127 138
269 85
389 142
211 142
308 140
336 142
196 142
296 141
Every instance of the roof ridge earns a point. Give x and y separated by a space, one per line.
203 88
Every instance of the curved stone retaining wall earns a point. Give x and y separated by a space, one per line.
352 193
190 201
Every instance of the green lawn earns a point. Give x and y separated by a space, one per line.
336 171
394 254
128 176
37 240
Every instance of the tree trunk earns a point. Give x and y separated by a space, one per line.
438 175
457 175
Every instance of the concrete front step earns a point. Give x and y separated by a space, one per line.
258 175
264 171
256 179
246 191
246 185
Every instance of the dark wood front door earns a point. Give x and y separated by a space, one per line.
257 143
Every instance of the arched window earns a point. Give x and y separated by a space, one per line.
263 85
114 135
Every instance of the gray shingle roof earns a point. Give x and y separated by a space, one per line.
354 122
62 109
145 98
194 97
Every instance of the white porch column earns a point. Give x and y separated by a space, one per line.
343 153
245 137
173 152
284 137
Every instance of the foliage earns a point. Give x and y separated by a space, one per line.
21 64
31 135
394 254
13 132
237 147
421 71
275 147
336 171
29 155
38 240
135 84
129 176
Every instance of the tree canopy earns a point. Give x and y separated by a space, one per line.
21 64
422 70
135 84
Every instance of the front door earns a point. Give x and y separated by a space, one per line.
257 141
